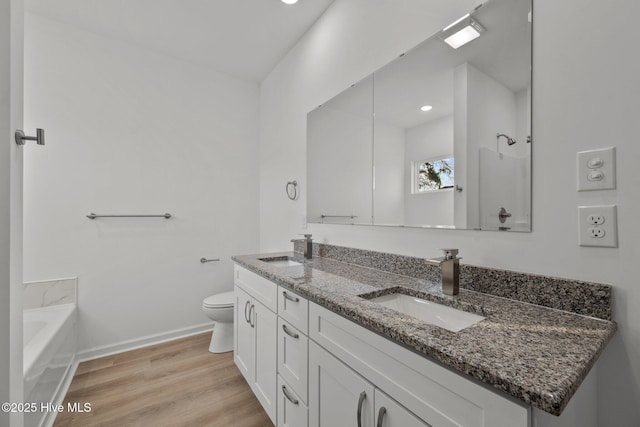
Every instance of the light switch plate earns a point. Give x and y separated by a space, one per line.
598 226
597 169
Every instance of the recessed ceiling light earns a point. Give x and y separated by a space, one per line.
289 1
461 32
426 108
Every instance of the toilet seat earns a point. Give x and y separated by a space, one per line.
222 300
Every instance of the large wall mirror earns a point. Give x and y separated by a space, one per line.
440 137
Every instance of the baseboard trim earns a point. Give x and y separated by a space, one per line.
145 341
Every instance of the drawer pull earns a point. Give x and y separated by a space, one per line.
289 297
246 315
288 332
381 415
363 396
289 398
253 307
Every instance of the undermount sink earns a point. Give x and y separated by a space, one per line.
280 262
440 315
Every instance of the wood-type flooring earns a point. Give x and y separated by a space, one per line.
178 383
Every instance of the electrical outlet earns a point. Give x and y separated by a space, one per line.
595 219
598 226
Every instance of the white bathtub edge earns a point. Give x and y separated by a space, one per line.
145 341
61 393
41 342
52 280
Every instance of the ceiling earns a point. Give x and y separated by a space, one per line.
243 38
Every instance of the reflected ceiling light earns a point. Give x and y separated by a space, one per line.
461 32
289 1
426 108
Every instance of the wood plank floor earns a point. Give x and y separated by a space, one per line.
178 383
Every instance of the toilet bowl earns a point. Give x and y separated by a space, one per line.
219 308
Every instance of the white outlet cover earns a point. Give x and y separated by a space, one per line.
589 176
586 214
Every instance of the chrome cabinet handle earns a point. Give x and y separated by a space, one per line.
253 308
289 297
289 398
361 399
291 334
381 415
246 316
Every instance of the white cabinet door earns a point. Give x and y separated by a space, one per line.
243 336
265 362
337 395
292 412
293 357
390 413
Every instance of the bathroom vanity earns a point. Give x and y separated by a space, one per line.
318 350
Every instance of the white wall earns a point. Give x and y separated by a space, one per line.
129 131
583 98
389 174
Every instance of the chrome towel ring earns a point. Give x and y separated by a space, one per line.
292 190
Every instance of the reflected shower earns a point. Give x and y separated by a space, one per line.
510 141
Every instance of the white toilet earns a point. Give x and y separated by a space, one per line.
219 308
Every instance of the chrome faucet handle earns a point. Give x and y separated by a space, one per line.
450 253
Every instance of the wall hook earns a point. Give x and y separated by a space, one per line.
21 138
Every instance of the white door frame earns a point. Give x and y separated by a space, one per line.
11 108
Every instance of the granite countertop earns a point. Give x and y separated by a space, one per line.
539 355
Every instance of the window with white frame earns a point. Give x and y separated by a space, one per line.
432 175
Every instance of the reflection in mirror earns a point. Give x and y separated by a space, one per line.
452 132
339 157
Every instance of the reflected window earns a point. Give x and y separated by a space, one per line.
433 175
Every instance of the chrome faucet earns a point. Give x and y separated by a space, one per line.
449 269
308 246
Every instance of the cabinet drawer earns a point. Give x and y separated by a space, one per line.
390 413
294 309
292 412
258 287
293 351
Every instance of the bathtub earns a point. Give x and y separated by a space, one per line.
49 337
